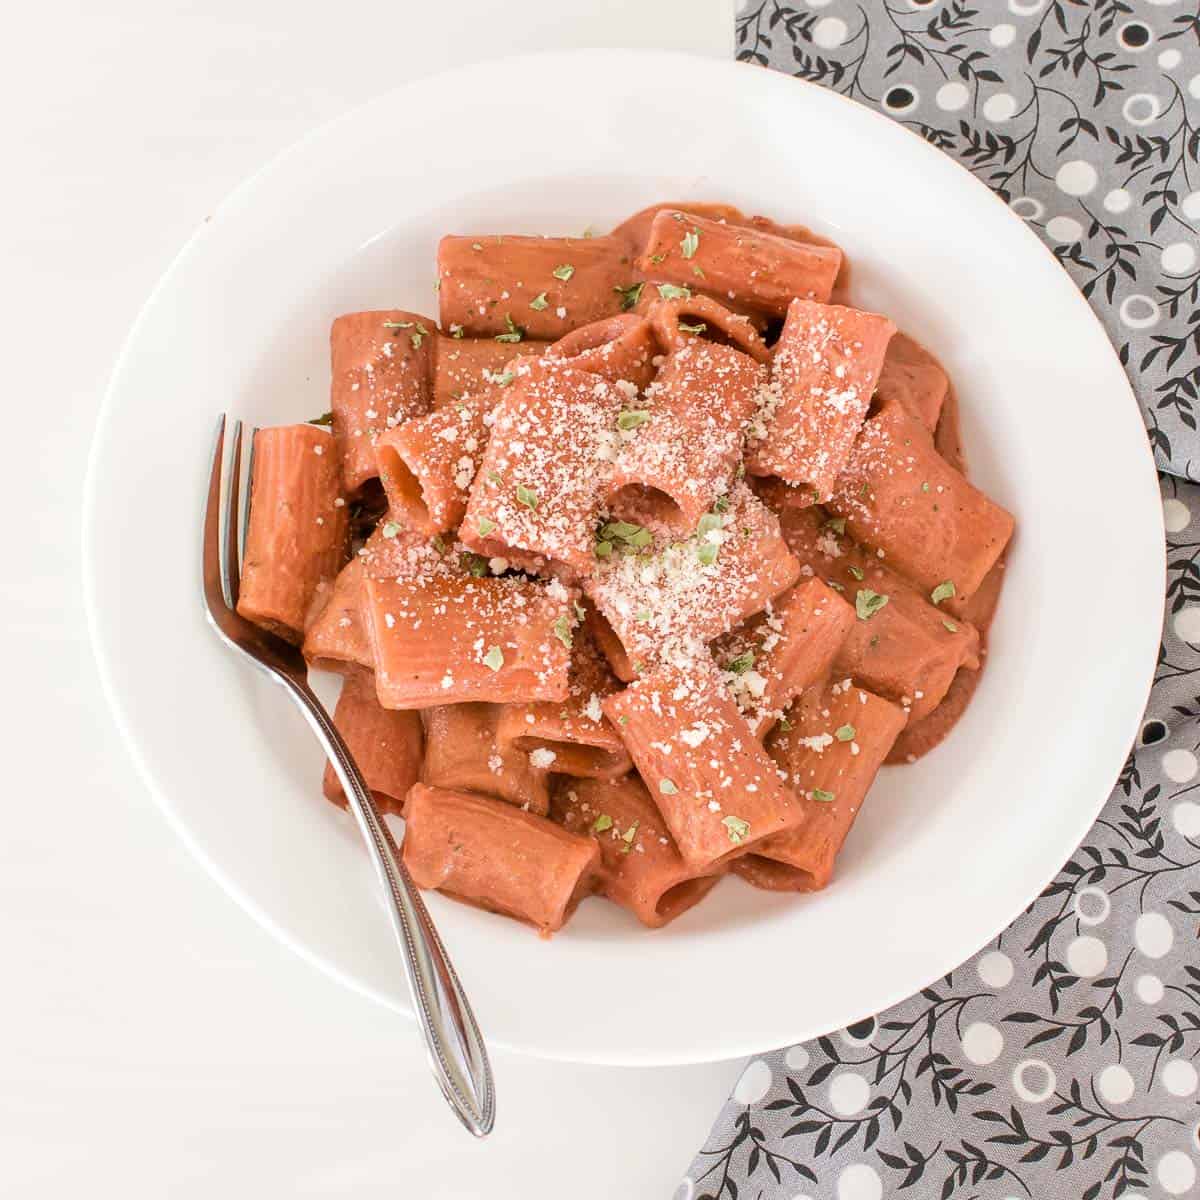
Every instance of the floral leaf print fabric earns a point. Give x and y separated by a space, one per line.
1061 1062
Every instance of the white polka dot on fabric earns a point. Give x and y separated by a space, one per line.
848 1094
818 3
1139 311
859 1182
1178 258
1185 816
1191 206
1179 1077
1028 207
685 1191
1153 934
995 969
999 107
1118 200
1076 177
796 1058
1194 87
1003 35
1141 108
1087 956
1063 229
982 1043
1149 989
1176 1172
1025 8
1180 766
1176 515
829 32
1092 906
754 1084
1169 59
1115 1084
952 96
1033 1080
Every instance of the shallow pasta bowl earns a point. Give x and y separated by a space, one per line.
946 852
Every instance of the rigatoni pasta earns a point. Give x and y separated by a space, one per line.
629 590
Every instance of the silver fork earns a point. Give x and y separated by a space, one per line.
455 1046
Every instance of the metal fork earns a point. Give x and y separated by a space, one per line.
455 1046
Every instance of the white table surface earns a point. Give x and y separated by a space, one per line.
153 1041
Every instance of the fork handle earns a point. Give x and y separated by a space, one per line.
457 1053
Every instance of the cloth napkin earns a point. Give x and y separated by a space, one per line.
1060 1062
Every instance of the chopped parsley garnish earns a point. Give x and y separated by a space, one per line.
539 302
950 625
784 724
837 587
474 564
721 504
925 487
697 270
438 543
867 603
622 720
669 291
690 243
503 379
632 418
563 272
630 295
743 663
657 258
495 477
857 573
837 524
644 614
699 327
485 526
706 552
708 523
562 631
822 795
527 496
668 787
628 836
390 529
601 823
494 658
456 331
580 611
604 549
845 733
515 332
324 419
736 828
943 591
397 324
418 336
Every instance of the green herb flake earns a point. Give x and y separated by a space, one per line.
623 720
539 302
640 539
629 295
874 641
706 552
698 328
390 529
736 828
857 573
784 724
515 332
473 564
323 419
628 836
562 631
743 663
721 504
669 291
943 591
668 787
867 603
690 243
494 659
845 733
657 258
456 331
622 530
837 587
503 379
563 272
485 526
604 549
950 625
698 271
822 795
494 477
580 611
601 823
632 418
925 487
708 523
837 524
527 496
438 543
644 614
397 324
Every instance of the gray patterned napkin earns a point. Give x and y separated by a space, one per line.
1061 1062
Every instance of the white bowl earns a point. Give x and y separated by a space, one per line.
945 852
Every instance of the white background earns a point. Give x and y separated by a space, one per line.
153 1041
